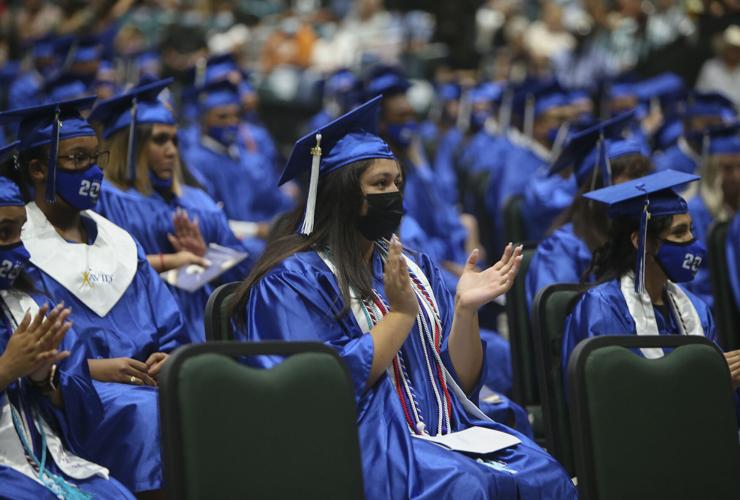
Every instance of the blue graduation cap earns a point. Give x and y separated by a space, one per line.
386 81
650 196
661 86
49 124
217 93
724 140
66 86
138 106
707 104
449 92
535 97
220 66
593 141
350 138
85 49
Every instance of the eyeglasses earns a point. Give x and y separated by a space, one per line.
84 160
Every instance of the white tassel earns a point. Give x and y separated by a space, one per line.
313 185
529 116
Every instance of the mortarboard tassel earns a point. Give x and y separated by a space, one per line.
557 146
463 117
604 164
529 116
504 113
132 144
51 176
313 185
642 249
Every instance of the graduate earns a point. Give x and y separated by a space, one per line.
123 312
700 112
414 354
340 94
229 173
173 222
718 198
733 257
27 88
48 407
565 255
642 268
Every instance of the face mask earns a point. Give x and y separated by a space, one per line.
401 134
225 135
79 188
681 261
478 119
13 258
384 212
158 183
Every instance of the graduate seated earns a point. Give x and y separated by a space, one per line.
650 254
144 193
413 350
125 317
718 198
232 175
733 257
565 255
48 407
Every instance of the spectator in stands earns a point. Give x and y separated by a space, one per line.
722 74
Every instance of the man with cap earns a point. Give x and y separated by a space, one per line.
41 379
599 158
345 280
700 112
718 198
126 318
232 175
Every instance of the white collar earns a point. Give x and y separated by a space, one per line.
685 148
642 312
209 142
97 274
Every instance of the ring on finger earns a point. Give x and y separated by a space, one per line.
134 380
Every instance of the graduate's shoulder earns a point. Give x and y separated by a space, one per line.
702 308
198 199
601 297
306 266
563 238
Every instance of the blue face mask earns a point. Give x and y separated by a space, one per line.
401 134
158 183
478 119
681 261
13 258
80 188
225 135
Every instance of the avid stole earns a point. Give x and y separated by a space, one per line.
429 330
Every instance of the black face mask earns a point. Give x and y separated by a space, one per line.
384 212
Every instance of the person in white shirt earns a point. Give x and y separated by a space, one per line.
722 74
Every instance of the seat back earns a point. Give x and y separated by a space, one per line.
726 314
514 229
524 377
233 431
653 428
217 321
550 308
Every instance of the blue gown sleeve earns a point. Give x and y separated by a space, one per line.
292 307
552 263
733 258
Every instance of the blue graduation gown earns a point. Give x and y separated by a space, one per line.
701 221
297 301
257 140
149 219
733 257
240 183
145 320
445 155
545 197
675 158
26 90
562 257
76 424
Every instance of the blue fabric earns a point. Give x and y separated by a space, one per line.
240 183
448 145
545 197
10 195
149 219
562 257
145 320
26 90
701 221
509 413
675 159
77 423
395 464
733 257
257 140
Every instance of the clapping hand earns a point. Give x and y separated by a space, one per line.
476 288
187 235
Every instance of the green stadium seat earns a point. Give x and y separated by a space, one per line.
726 314
217 320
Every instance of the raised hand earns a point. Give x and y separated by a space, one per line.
187 235
397 283
476 288
32 349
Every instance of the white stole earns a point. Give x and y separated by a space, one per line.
13 455
364 324
97 274
642 312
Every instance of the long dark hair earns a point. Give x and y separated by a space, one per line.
22 176
617 256
590 220
338 203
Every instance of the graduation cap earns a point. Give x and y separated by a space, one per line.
66 86
650 196
43 47
350 138
593 141
386 81
449 92
220 66
707 104
664 85
10 195
138 106
535 97
217 93
49 124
